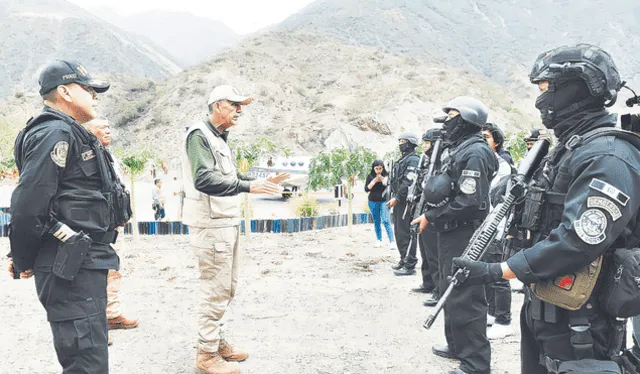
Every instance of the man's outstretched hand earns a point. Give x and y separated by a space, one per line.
278 178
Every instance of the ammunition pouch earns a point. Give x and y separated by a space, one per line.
588 366
70 256
532 211
622 287
570 291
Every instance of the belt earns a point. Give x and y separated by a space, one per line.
454 224
108 237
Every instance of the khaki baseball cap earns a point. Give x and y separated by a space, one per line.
229 93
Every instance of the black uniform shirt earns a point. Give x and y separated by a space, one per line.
59 181
472 167
405 172
600 208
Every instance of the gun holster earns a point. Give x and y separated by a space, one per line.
70 256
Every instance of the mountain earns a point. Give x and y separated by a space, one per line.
35 32
313 93
498 38
189 38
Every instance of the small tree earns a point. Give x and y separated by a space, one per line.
135 161
516 145
8 135
328 169
248 155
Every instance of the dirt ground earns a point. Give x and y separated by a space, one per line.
310 303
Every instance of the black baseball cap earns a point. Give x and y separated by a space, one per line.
64 72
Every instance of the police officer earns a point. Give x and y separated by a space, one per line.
65 209
457 201
589 207
427 240
405 171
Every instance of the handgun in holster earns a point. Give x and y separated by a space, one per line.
71 253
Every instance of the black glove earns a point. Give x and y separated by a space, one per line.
479 272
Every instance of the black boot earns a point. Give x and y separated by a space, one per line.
405 271
398 266
431 302
443 351
422 289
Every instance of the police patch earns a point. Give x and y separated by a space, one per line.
411 176
591 226
609 190
468 186
605 204
471 173
59 153
88 155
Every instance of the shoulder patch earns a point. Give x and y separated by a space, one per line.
468 186
88 155
59 153
591 226
471 173
607 189
605 204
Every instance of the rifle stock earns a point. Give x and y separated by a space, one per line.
484 236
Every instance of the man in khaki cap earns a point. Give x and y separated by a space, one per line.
212 211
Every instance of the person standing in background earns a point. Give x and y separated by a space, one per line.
375 185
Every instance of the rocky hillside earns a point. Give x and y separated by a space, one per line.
188 38
314 93
498 38
33 32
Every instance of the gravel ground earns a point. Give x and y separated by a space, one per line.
311 303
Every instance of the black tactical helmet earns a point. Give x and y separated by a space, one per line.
437 190
410 137
431 135
533 135
583 61
471 110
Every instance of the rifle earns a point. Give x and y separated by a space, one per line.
412 196
484 236
418 203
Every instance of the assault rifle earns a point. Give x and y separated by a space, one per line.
484 236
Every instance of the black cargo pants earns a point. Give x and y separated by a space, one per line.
402 230
76 311
554 339
465 312
429 254
498 293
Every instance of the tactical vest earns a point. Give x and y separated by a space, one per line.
90 196
542 213
202 210
400 171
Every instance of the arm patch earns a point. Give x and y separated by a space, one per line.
607 189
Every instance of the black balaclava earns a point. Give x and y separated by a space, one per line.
562 101
456 128
406 147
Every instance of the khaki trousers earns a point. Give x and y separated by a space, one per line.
217 253
114 309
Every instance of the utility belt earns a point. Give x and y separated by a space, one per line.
108 237
454 224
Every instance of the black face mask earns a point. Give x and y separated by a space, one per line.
406 147
561 101
451 127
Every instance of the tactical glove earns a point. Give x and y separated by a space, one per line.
479 272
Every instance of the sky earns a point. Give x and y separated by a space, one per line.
241 16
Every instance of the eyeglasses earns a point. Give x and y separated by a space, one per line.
89 90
